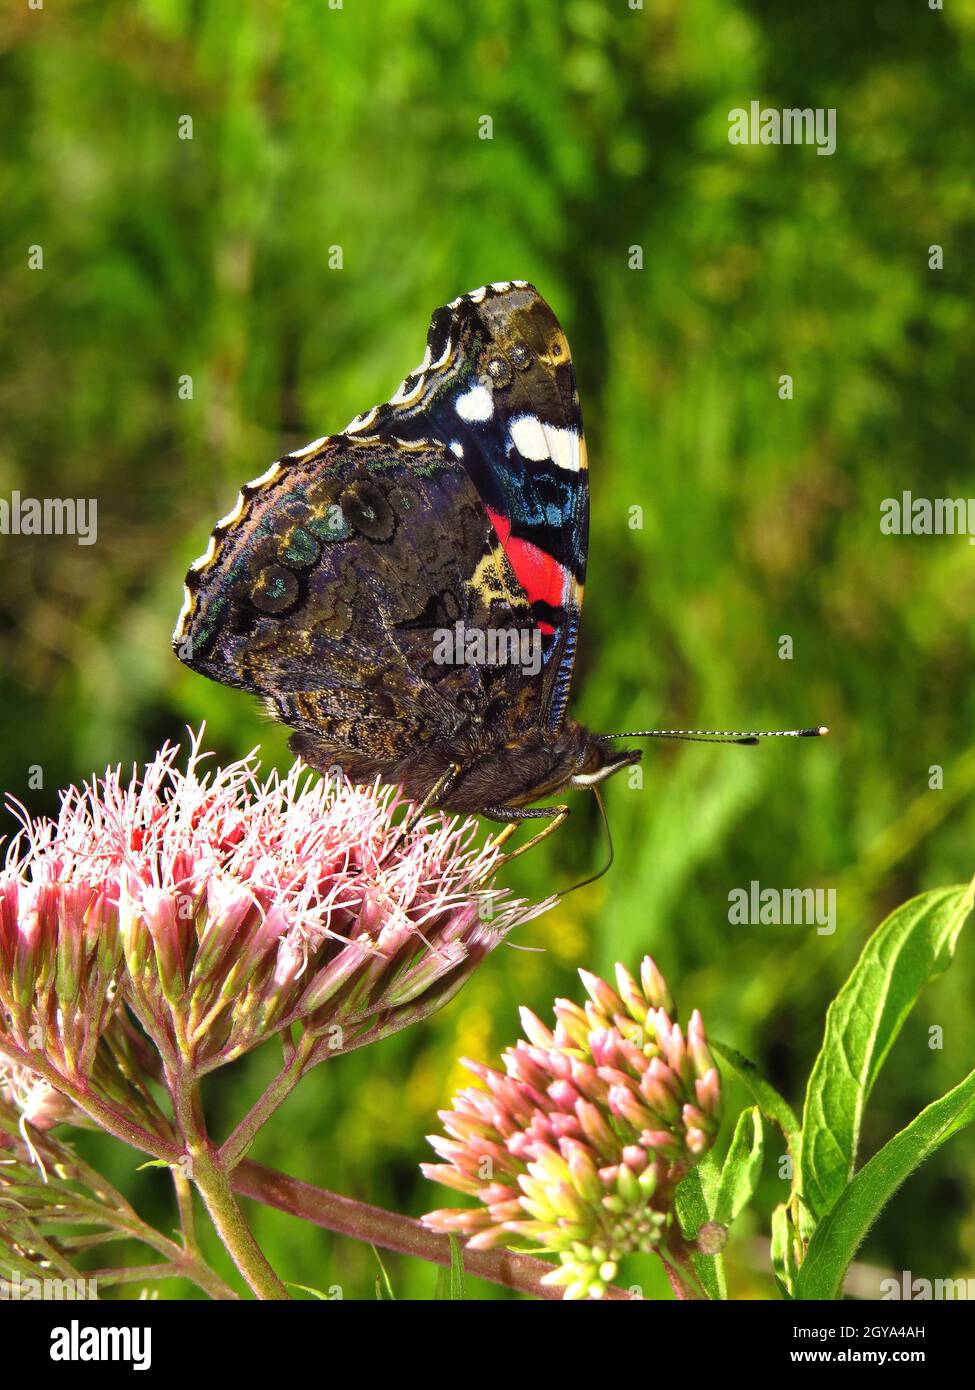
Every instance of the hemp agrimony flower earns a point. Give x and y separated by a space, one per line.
578 1146
164 925
223 909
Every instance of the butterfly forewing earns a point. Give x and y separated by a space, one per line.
497 387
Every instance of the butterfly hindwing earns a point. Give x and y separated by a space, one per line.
324 592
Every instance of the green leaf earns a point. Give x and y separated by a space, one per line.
785 1254
916 942
840 1234
774 1107
695 1204
742 1167
309 1288
384 1289
450 1282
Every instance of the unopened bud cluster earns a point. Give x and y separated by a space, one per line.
576 1148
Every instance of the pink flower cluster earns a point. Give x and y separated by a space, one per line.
576 1148
219 908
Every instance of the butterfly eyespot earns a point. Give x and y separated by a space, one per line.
276 590
520 356
499 370
556 349
367 509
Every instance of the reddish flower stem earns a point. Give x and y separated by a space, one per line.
234 1148
391 1231
104 1115
682 1290
677 1260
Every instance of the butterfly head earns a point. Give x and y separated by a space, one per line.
600 760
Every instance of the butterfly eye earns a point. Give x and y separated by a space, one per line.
520 356
499 370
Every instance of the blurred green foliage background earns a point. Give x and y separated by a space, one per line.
357 127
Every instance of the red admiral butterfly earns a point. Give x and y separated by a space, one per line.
405 595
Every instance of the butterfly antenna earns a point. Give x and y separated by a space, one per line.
612 852
746 736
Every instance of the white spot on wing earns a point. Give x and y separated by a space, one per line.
535 440
563 446
457 448
475 404
529 438
499 286
475 296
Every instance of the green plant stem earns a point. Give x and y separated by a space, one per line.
184 1203
210 1175
133 1274
182 1263
122 1225
238 1239
114 1211
234 1147
391 1231
187 1263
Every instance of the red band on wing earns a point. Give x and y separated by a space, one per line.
539 575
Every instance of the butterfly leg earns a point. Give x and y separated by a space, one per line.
503 836
556 816
433 797
416 810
